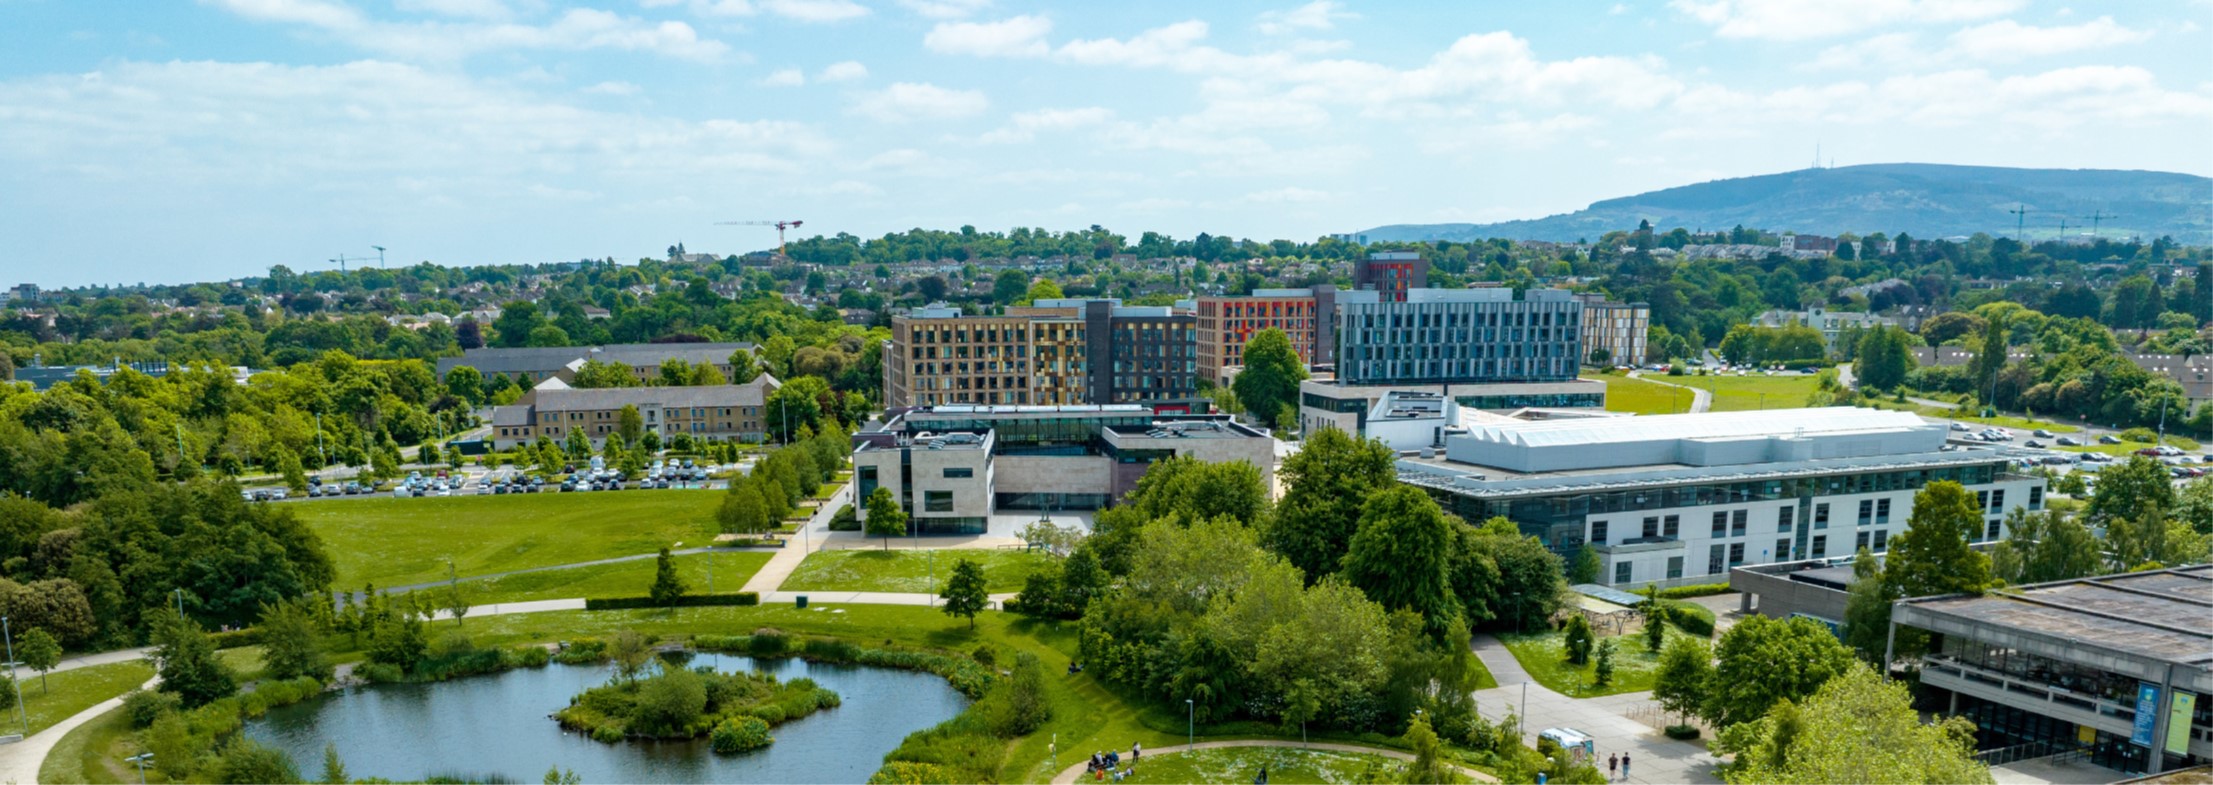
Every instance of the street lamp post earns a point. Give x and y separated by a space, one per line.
141 759
8 635
1190 725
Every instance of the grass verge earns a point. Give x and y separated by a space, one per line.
909 570
621 579
60 695
1285 765
87 754
1637 396
1741 393
1544 655
395 542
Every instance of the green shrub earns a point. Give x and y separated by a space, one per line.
1681 732
1694 590
2140 434
740 734
686 601
767 642
769 713
845 520
378 672
1691 617
607 734
144 706
231 639
583 651
903 772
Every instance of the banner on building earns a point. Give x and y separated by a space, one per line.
2178 721
2147 713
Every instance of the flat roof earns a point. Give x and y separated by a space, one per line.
1488 481
1703 425
2163 614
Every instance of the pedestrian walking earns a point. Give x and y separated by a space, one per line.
1625 765
1613 765
1136 752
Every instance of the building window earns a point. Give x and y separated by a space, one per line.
1674 567
2036 497
1621 572
867 475
1998 500
1882 511
1672 524
1860 542
1992 533
1867 511
937 501
960 473
1783 518
1882 540
1821 516
1782 549
1820 547
1721 524
1982 500
1736 522
1651 527
1736 553
1598 532
1713 558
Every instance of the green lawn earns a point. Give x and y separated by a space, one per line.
908 570
94 753
395 542
1544 655
2125 449
1740 393
1238 765
64 693
1624 394
622 579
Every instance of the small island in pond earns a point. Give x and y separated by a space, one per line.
734 710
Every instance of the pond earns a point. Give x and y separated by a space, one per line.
498 727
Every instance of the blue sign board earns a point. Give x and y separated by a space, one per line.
2147 712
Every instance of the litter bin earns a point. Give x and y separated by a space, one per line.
801 601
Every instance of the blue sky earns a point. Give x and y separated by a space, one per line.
179 141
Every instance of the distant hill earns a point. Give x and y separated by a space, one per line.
1925 200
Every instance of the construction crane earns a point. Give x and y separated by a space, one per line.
2020 220
780 227
380 256
2095 217
341 262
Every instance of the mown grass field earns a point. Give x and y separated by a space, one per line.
60 695
1637 396
622 579
909 570
1742 393
397 542
1239 765
1544 655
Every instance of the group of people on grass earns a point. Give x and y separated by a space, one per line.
1109 764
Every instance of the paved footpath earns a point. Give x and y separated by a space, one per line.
1655 758
1700 400
1074 772
20 762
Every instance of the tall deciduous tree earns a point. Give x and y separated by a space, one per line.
1401 557
1271 376
743 510
1858 727
1867 608
1686 669
1884 356
2044 546
2132 490
629 424
1933 556
885 518
188 665
1765 661
40 652
964 592
1325 484
289 647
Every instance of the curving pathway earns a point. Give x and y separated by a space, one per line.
1608 719
1700 400
20 762
1074 772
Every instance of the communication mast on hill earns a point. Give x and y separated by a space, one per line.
780 227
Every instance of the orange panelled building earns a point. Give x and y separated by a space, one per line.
1308 316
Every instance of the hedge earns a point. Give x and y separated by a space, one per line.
231 639
686 601
1691 617
1694 590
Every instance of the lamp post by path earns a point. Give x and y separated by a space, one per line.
9 636
141 759
1190 725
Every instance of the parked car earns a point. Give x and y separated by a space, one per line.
2041 433
1959 426
2058 460
2109 439
2032 443
2069 441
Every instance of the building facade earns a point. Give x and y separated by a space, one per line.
1831 323
1051 353
1680 499
2118 668
1446 336
1391 274
953 467
1618 329
728 412
1224 324
530 365
1359 409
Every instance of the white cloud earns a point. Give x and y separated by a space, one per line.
1893 50
470 9
846 71
1317 15
613 88
908 101
576 29
1800 20
2006 40
784 77
707 8
1019 36
1025 125
945 9
1618 9
815 10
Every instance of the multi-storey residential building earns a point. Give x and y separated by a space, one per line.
1830 323
953 467
1224 324
1617 329
1391 273
1446 336
538 363
1678 499
1053 352
727 412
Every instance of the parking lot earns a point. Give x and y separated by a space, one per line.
2042 448
659 475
